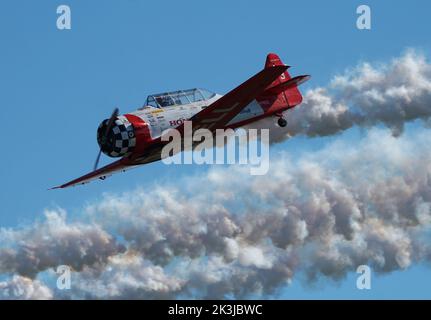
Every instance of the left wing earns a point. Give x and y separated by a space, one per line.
119 165
152 154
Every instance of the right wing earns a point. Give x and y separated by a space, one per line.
218 114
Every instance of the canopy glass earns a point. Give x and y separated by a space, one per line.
177 98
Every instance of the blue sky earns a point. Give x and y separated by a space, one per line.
56 86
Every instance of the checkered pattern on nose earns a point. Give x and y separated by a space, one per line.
121 139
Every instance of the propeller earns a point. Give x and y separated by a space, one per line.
104 138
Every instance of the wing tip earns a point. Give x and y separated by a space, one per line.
101 174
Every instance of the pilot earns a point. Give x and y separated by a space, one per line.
168 101
160 101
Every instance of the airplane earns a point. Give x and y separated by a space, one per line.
135 137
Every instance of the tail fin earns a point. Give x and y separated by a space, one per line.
284 84
274 60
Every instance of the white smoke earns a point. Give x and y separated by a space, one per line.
324 213
226 233
24 288
53 242
389 94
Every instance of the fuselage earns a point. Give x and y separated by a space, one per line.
134 131
161 119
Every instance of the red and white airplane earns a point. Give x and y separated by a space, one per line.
136 136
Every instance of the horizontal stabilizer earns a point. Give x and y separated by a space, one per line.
294 82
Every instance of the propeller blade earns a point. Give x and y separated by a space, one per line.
97 160
111 120
108 127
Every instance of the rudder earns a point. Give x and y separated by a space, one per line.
292 94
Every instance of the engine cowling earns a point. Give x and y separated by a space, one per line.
120 140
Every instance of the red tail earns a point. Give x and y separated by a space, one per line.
284 84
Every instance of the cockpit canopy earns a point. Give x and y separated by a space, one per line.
169 99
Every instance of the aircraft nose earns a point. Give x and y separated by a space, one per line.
120 139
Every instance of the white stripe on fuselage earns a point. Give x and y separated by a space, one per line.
170 117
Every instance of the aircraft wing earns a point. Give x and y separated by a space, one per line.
152 154
219 113
101 173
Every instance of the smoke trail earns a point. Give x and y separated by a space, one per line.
226 233
391 94
24 288
323 214
53 242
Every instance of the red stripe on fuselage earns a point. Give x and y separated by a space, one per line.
142 133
